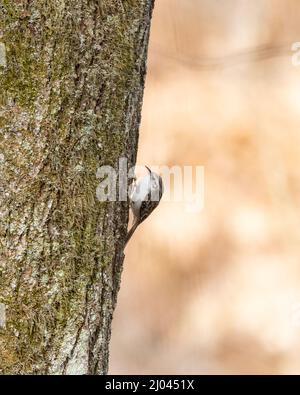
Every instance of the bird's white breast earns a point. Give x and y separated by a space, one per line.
139 193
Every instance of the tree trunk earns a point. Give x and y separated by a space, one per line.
71 79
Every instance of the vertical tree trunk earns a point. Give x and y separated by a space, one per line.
71 80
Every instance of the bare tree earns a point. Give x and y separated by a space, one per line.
71 79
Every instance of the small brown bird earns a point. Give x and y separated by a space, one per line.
144 198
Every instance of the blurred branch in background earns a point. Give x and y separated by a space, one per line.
248 55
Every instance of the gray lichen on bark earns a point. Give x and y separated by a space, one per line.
71 94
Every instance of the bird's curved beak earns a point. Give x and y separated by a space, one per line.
148 169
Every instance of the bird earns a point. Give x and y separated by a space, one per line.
144 197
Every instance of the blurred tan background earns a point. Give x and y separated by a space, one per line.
218 291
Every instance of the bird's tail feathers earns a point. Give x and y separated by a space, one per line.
131 232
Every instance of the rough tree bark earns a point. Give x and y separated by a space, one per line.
71 79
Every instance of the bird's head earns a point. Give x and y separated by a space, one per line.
157 186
